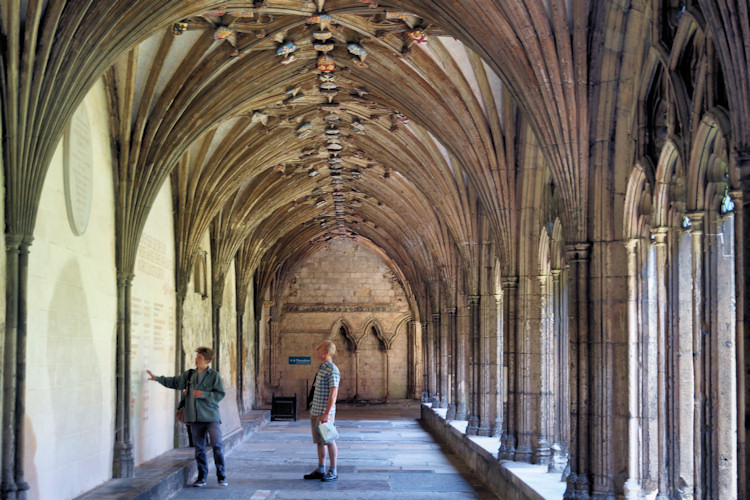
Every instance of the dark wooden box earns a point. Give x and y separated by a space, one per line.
284 407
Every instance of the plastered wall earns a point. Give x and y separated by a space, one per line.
153 333
345 293
71 331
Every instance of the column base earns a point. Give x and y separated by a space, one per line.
451 413
461 412
484 431
523 454
559 461
473 426
543 454
124 463
507 450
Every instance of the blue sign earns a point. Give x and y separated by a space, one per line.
299 360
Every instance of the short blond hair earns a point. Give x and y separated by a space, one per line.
330 347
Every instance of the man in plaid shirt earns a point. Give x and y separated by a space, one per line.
323 409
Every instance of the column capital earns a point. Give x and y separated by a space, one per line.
578 252
125 278
660 235
632 243
509 281
697 220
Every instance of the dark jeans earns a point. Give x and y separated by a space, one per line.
200 430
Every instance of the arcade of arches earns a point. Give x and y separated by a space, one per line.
529 213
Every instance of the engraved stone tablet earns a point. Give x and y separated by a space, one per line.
78 170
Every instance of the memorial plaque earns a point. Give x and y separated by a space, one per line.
78 170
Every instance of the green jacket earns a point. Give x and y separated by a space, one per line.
205 408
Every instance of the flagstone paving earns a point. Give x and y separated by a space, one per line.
383 454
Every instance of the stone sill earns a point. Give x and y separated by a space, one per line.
508 479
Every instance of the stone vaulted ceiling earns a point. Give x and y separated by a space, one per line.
298 126
284 123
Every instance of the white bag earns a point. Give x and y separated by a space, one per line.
328 432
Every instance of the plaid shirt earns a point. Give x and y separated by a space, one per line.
328 376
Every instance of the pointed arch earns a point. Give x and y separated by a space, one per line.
638 199
708 162
669 203
342 329
374 326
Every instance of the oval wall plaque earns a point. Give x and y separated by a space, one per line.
78 170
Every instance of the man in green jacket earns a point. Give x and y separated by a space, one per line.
204 391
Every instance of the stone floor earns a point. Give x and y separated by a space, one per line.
383 454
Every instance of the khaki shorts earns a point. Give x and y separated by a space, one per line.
314 423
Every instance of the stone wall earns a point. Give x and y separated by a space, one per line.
347 294
70 398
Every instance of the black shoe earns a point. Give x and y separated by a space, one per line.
199 483
330 476
223 481
316 474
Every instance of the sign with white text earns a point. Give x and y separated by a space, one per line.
299 360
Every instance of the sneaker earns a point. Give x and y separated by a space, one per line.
199 483
223 481
316 474
329 476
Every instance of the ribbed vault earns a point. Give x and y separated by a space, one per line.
397 145
400 143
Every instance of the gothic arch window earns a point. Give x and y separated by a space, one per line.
715 314
681 319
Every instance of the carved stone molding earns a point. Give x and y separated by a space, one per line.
299 308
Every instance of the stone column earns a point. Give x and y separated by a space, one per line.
462 320
387 373
702 463
181 437
543 451
525 381
507 450
414 360
721 357
742 249
14 367
273 353
559 461
660 240
487 330
432 364
452 366
356 372
580 477
216 332
683 378
124 463
633 483
240 360
441 360
473 428
426 362
496 370
446 395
